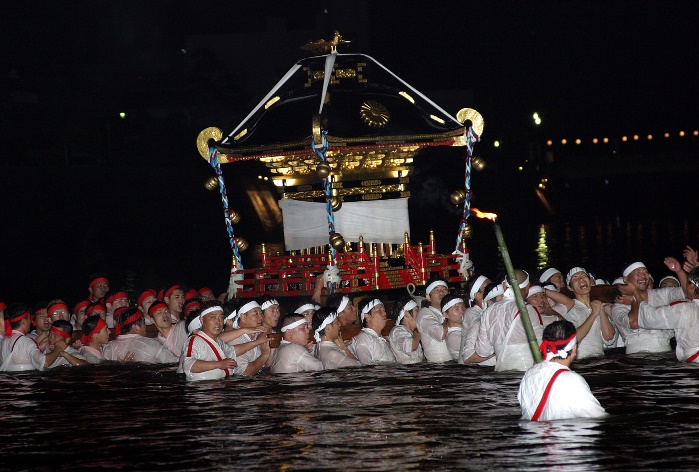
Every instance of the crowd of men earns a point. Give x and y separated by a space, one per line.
211 337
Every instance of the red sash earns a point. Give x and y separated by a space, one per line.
545 396
541 322
693 357
213 348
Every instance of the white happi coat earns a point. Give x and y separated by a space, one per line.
502 332
569 397
430 324
593 345
370 348
176 338
63 362
401 341
454 342
470 326
247 357
333 357
91 355
682 317
293 357
201 347
646 340
19 352
148 350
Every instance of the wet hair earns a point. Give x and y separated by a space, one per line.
559 330
90 323
123 314
693 277
229 306
318 317
398 305
15 309
500 277
489 288
64 326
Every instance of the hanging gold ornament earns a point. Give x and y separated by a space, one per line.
211 184
468 231
322 170
457 196
337 241
235 217
242 243
474 117
478 163
205 139
336 203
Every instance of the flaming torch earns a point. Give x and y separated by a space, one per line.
531 337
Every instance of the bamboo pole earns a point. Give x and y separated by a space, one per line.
524 314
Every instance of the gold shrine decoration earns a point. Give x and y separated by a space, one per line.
476 119
204 137
374 113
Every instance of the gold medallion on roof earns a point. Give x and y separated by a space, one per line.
374 113
204 137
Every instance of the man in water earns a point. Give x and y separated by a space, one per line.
502 332
549 390
431 322
625 313
292 354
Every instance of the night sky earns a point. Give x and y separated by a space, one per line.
82 189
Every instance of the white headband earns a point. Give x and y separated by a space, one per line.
325 323
476 286
534 289
232 314
343 304
435 284
633 267
247 307
302 308
618 280
551 287
268 304
669 277
572 272
408 306
194 324
370 306
210 310
293 325
521 285
604 282
451 303
548 273
562 353
497 291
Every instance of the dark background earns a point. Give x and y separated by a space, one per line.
82 189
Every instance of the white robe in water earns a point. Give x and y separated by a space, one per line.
593 345
682 317
430 324
454 342
19 352
63 362
401 341
646 340
569 397
201 346
246 358
470 326
176 338
148 350
91 355
293 357
333 357
502 332
370 348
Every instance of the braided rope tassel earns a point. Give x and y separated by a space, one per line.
213 160
471 137
321 152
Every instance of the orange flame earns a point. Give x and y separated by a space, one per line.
480 214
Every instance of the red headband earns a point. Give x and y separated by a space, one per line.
98 280
114 296
171 289
131 319
2 305
203 290
8 325
81 305
552 346
86 338
57 331
148 293
56 306
192 303
94 307
156 306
